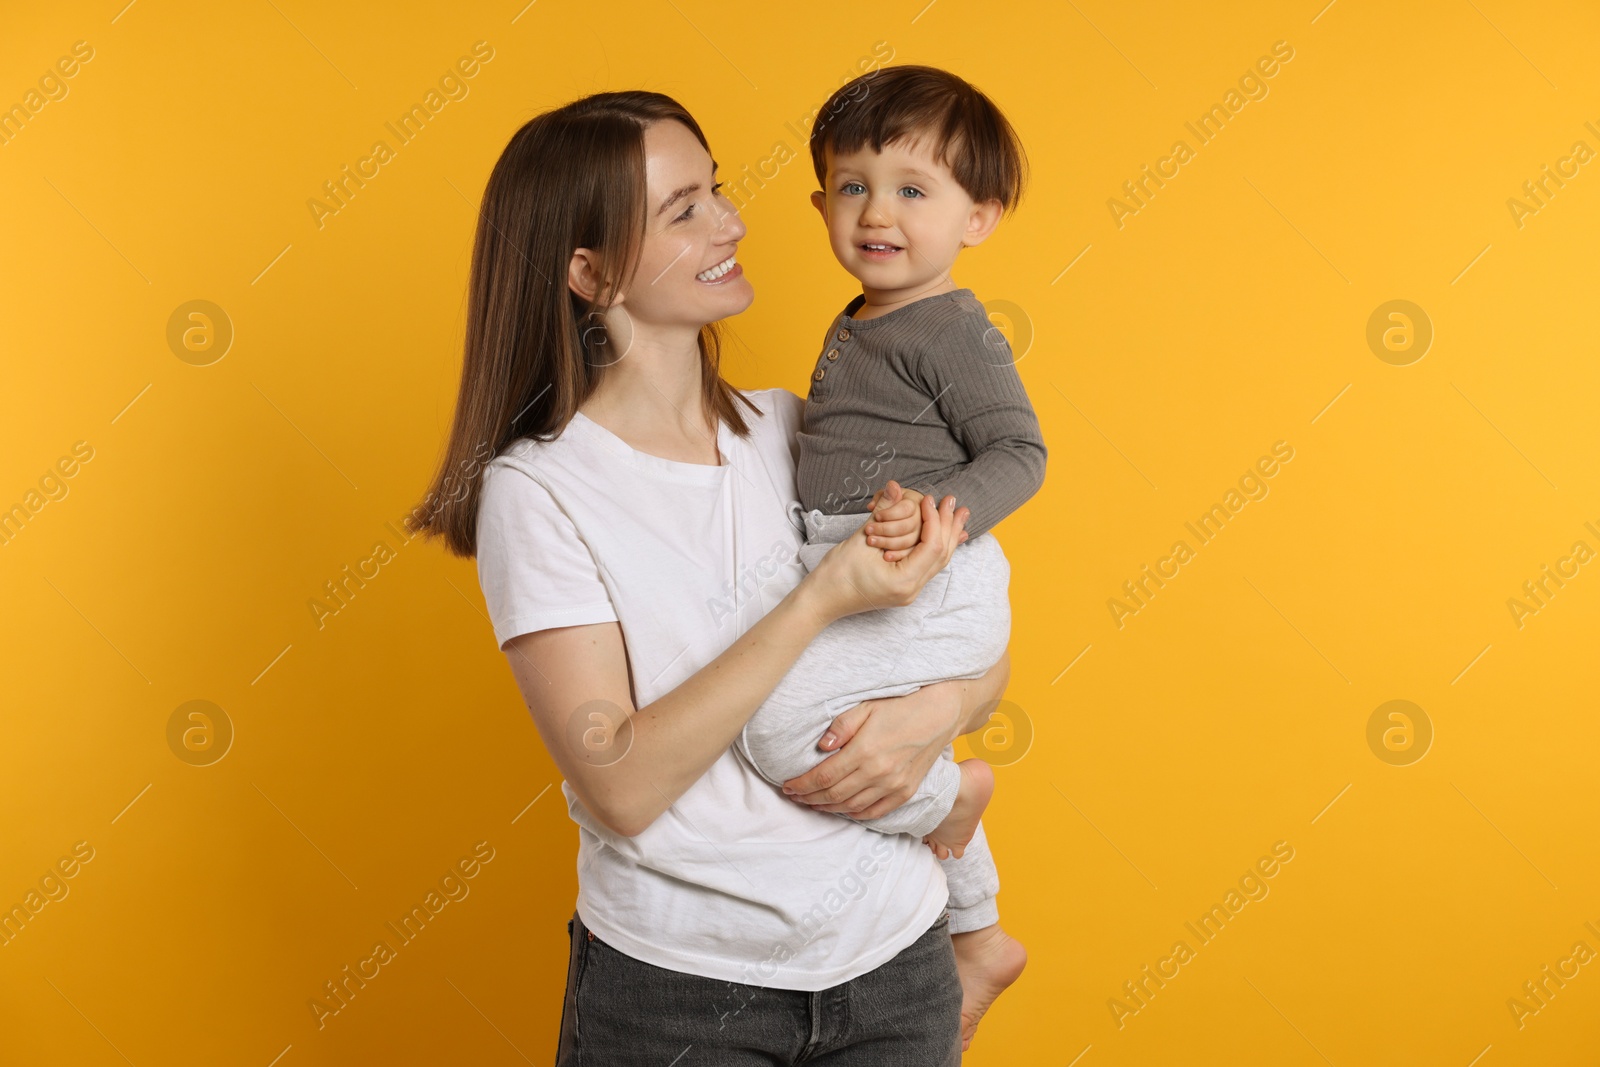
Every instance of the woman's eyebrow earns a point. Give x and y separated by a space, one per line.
677 194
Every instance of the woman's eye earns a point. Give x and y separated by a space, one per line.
688 212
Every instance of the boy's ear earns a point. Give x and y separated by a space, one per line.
820 201
583 275
981 223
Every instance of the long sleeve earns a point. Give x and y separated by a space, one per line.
970 373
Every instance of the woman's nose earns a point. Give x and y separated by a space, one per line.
730 227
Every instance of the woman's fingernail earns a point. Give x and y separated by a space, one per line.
789 791
829 739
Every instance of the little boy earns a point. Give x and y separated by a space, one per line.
914 388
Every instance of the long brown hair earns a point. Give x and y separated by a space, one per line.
570 178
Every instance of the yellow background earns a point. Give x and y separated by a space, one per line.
1228 714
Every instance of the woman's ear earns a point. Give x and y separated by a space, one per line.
583 275
981 223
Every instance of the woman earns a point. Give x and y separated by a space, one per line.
636 547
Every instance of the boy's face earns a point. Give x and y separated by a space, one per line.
897 218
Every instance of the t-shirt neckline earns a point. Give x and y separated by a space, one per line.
701 473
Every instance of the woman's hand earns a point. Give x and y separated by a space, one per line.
854 576
908 729
884 749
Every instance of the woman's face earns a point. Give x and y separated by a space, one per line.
687 274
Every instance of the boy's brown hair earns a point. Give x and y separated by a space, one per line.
907 103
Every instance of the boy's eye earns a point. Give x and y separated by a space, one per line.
911 192
853 189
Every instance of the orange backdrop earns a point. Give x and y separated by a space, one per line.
1305 614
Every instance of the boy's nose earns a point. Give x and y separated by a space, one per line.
873 215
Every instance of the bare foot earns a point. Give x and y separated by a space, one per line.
989 960
950 837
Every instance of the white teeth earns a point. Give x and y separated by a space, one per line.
716 272
881 248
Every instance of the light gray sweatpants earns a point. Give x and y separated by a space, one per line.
957 627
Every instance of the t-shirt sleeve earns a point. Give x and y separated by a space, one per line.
791 415
535 570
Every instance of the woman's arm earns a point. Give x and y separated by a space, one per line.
980 695
896 741
628 766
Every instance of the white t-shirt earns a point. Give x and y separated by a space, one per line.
734 882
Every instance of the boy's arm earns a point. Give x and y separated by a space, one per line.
969 370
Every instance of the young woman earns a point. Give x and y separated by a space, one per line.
636 541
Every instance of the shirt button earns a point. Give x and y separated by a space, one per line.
844 334
819 374
833 354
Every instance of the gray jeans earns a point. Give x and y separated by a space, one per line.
956 628
623 1012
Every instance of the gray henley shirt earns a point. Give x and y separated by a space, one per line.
927 395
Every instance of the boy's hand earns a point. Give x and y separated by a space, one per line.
892 493
896 523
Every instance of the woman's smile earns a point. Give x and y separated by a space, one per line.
725 271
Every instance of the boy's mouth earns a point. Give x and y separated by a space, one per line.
879 250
